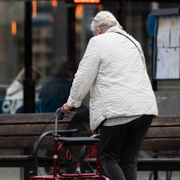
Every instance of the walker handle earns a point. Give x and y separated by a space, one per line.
59 116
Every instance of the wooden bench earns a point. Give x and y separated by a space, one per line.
163 136
20 131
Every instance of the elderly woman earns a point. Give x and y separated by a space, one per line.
122 101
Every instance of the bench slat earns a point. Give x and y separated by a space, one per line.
163 132
29 129
158 164
31 118
166 121
15 157
160 144
25 141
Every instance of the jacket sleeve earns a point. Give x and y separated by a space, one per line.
143 59
85 75
142 55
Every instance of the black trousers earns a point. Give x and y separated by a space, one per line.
119 146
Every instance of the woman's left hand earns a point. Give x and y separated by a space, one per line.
66 109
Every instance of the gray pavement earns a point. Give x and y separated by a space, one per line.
14 174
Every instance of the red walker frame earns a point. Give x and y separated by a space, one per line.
80 141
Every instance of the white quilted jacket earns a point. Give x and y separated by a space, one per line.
114 71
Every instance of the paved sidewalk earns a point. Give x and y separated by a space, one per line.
14 174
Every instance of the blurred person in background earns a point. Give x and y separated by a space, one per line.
15 90
13 101
56 91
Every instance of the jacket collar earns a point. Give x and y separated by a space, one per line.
114 29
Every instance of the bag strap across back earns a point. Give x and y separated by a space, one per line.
129 39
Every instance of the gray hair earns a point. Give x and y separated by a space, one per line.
105 20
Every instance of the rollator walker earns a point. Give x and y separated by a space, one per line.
76 167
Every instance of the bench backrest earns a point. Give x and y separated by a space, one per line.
22 130
163 134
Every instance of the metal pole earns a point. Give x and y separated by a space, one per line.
29 84
121 13
71 34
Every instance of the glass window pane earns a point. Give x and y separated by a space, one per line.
60 32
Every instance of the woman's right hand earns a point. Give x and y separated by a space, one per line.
66 109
